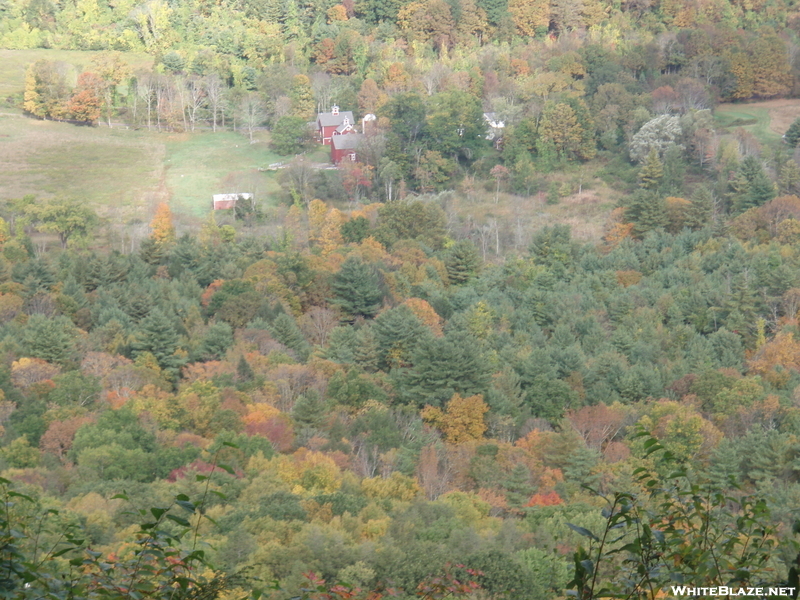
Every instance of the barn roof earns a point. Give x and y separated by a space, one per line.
347 142
329 119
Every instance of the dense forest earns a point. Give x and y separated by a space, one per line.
363 386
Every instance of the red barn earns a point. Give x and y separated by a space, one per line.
330 124
226 201
345 147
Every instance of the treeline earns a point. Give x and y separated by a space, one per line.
387 403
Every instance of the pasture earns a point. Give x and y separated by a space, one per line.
767 120
125 173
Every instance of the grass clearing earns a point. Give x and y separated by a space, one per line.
199 165
768 120
125 173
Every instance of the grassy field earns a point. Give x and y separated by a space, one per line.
201 164
14 62
768 120
125 173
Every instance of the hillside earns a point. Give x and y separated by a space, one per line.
511 313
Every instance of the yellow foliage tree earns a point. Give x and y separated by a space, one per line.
462 420
395 487
162 226
331 237
530 16
317 211
308 472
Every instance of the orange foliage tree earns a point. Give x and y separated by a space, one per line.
162 226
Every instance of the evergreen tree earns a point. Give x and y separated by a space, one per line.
309 410
752 187
366 352
792 135
518 486
444 367
647 211
244 372
581 464
49 338
397 333
462 262
284 329
357 289
217 340
341 345
157 335
652 171
699 213
724 469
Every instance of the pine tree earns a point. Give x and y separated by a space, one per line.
792 135
581 464
444 367
647 212
49 338
462 262
397 333
157 335
284 329
752 187
356 288
309 410
244 372
652 171
217 340
725 466
518 486
699 213
366 351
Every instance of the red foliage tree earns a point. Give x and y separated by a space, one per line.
86 102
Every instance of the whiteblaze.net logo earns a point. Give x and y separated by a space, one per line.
725 591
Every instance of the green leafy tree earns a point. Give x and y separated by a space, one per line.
455 124
290 135
415 220
68 219
355 230
357 290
